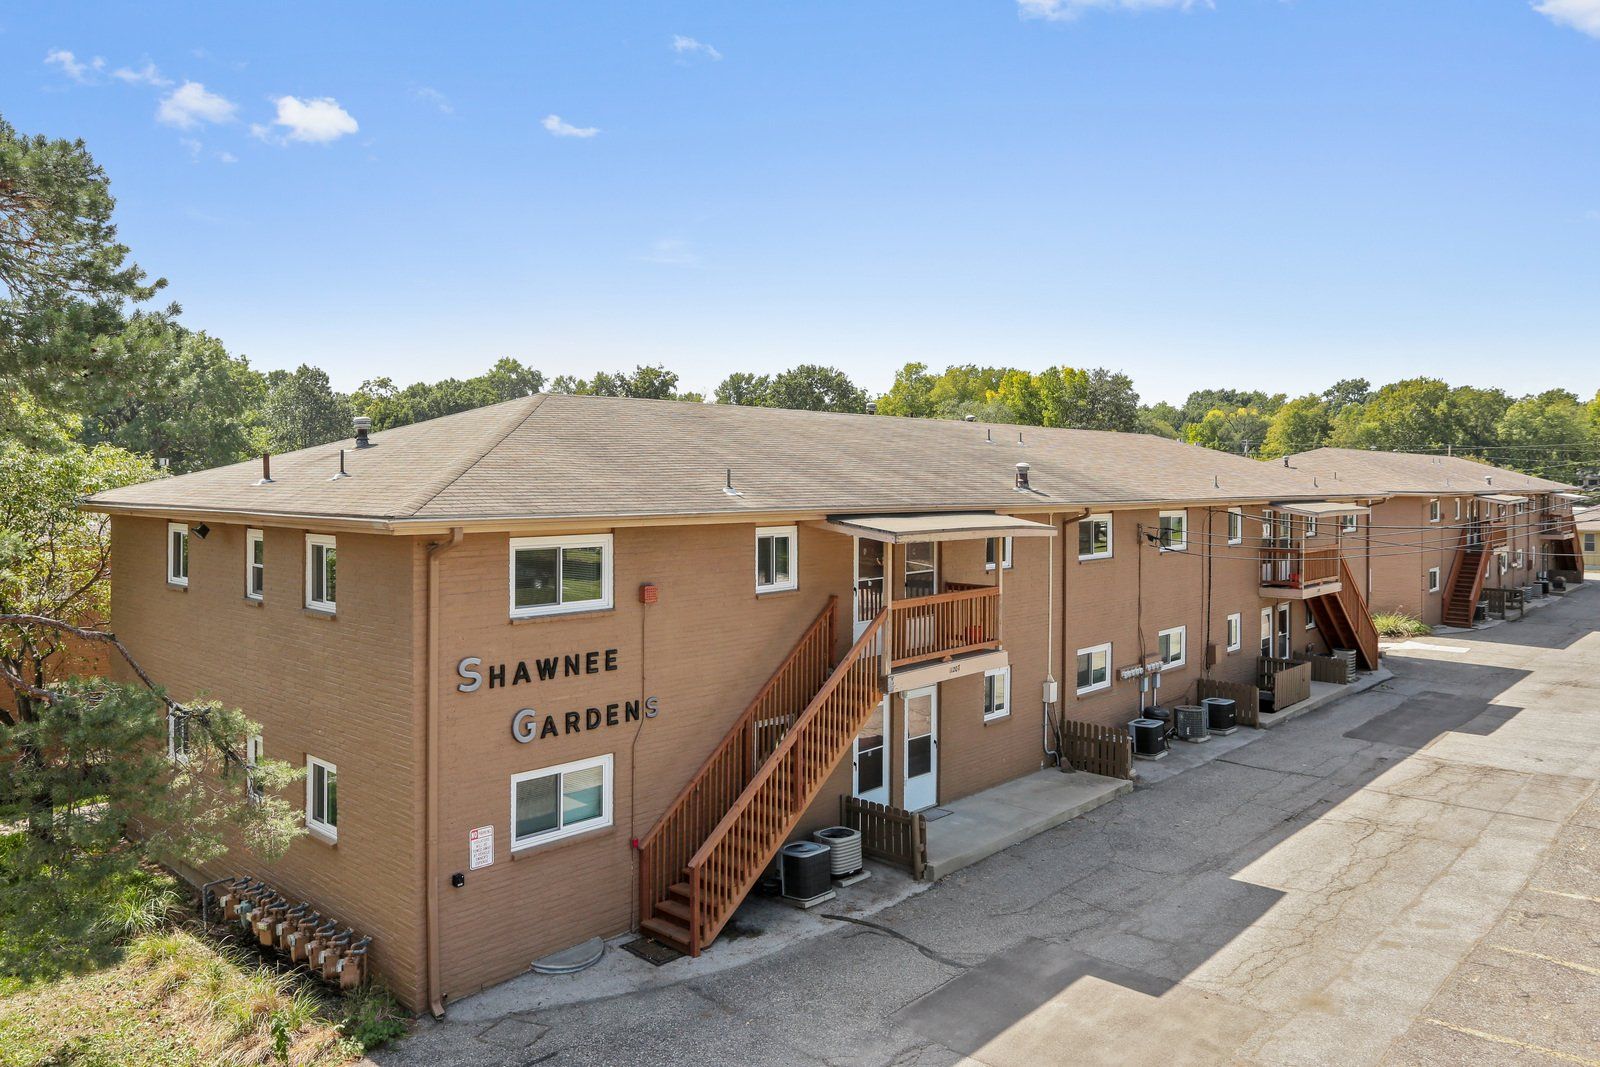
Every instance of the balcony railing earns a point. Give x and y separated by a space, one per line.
945 625
1294 566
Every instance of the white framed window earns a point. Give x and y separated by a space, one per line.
322 558
1348 523
1504 557
252 755
1311 618
322 798
1235 632
554 575
1433 579
1174 531
996 694
1173 646
255 564
777 562
1458 509
1235 526
1433 510
177 554
1521 559
177 737
557 802
1094 669
1094 537
1588 542
1005 553
1311 526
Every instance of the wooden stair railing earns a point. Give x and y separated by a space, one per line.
944 625
1467 572
665 851
738 849
1346 616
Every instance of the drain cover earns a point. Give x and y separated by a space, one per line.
653 952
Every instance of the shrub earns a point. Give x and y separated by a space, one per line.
1399 624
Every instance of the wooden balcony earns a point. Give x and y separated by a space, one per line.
928 628
1293 572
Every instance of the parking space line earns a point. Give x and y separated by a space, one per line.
1585 968
1501 1039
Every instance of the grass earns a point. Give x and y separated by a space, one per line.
1399 624
159 993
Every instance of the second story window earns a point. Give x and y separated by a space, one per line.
1433 510
776 565
177 553
1094 537
1348 523
1005 553
322 798
1174 531
255 564
553 575
322 557
1235 526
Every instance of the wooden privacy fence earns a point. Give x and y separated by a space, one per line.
1329 669
1246 698
1289 680
892 835
1089 746
1502 600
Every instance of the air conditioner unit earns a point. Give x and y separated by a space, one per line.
1189 722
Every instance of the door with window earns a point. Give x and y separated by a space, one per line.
1282 651
869 583
1266 632
921 725
871 776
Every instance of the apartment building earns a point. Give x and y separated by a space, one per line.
1444 528
569 666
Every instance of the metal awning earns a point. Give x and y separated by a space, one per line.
1502 498
958 526
1318 509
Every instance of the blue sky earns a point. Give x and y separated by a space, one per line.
1250 192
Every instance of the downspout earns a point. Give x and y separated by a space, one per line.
431 786
1050 750
1060 709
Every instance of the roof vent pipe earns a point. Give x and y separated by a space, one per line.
363 427
728 487
1019 437
266 469
988 437
1022 477
342 472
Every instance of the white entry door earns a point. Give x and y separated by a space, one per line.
921 724
872 757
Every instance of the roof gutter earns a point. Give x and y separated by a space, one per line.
431 787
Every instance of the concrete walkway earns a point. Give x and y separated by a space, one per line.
995 819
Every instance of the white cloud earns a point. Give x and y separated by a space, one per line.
429 95
73 67
1064 10
682 45
672 252
145 75
227 157
558 128
1581 15
191 104
315 121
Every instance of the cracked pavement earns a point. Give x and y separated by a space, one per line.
1410 876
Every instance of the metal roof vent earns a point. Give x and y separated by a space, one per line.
969 418
342 472
988 437
363 427
1022 478
266 469
728 488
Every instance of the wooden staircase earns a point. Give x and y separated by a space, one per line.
1345 619
1466 578
698 862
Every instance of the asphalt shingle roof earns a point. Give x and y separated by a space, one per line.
557 456
1406 473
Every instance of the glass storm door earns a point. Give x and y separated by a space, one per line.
1266 633
872 758
922 577
1282 650
922 748
869 583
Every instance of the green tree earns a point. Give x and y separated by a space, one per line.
183 399
1405 416
387 406
645 383
1345 392
1202 402
1160 419
302 410
65 280
810 387
1096 399
1473 416
746 390
910 396
1240 430
1547 434
1299 426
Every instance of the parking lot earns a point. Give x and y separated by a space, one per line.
1410 876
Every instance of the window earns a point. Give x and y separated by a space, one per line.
1094 669
552 575
1348 523
1520 559
1458 509
1235 632
775 559
177 553
252 755
559 802
321 564
1311 618
1174 531
996 694
322 798
1504 559
1171 644
1094 537
1588 542
1433 579
1311 526
1235 526
177 736
1005 553
255 564
1433 510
